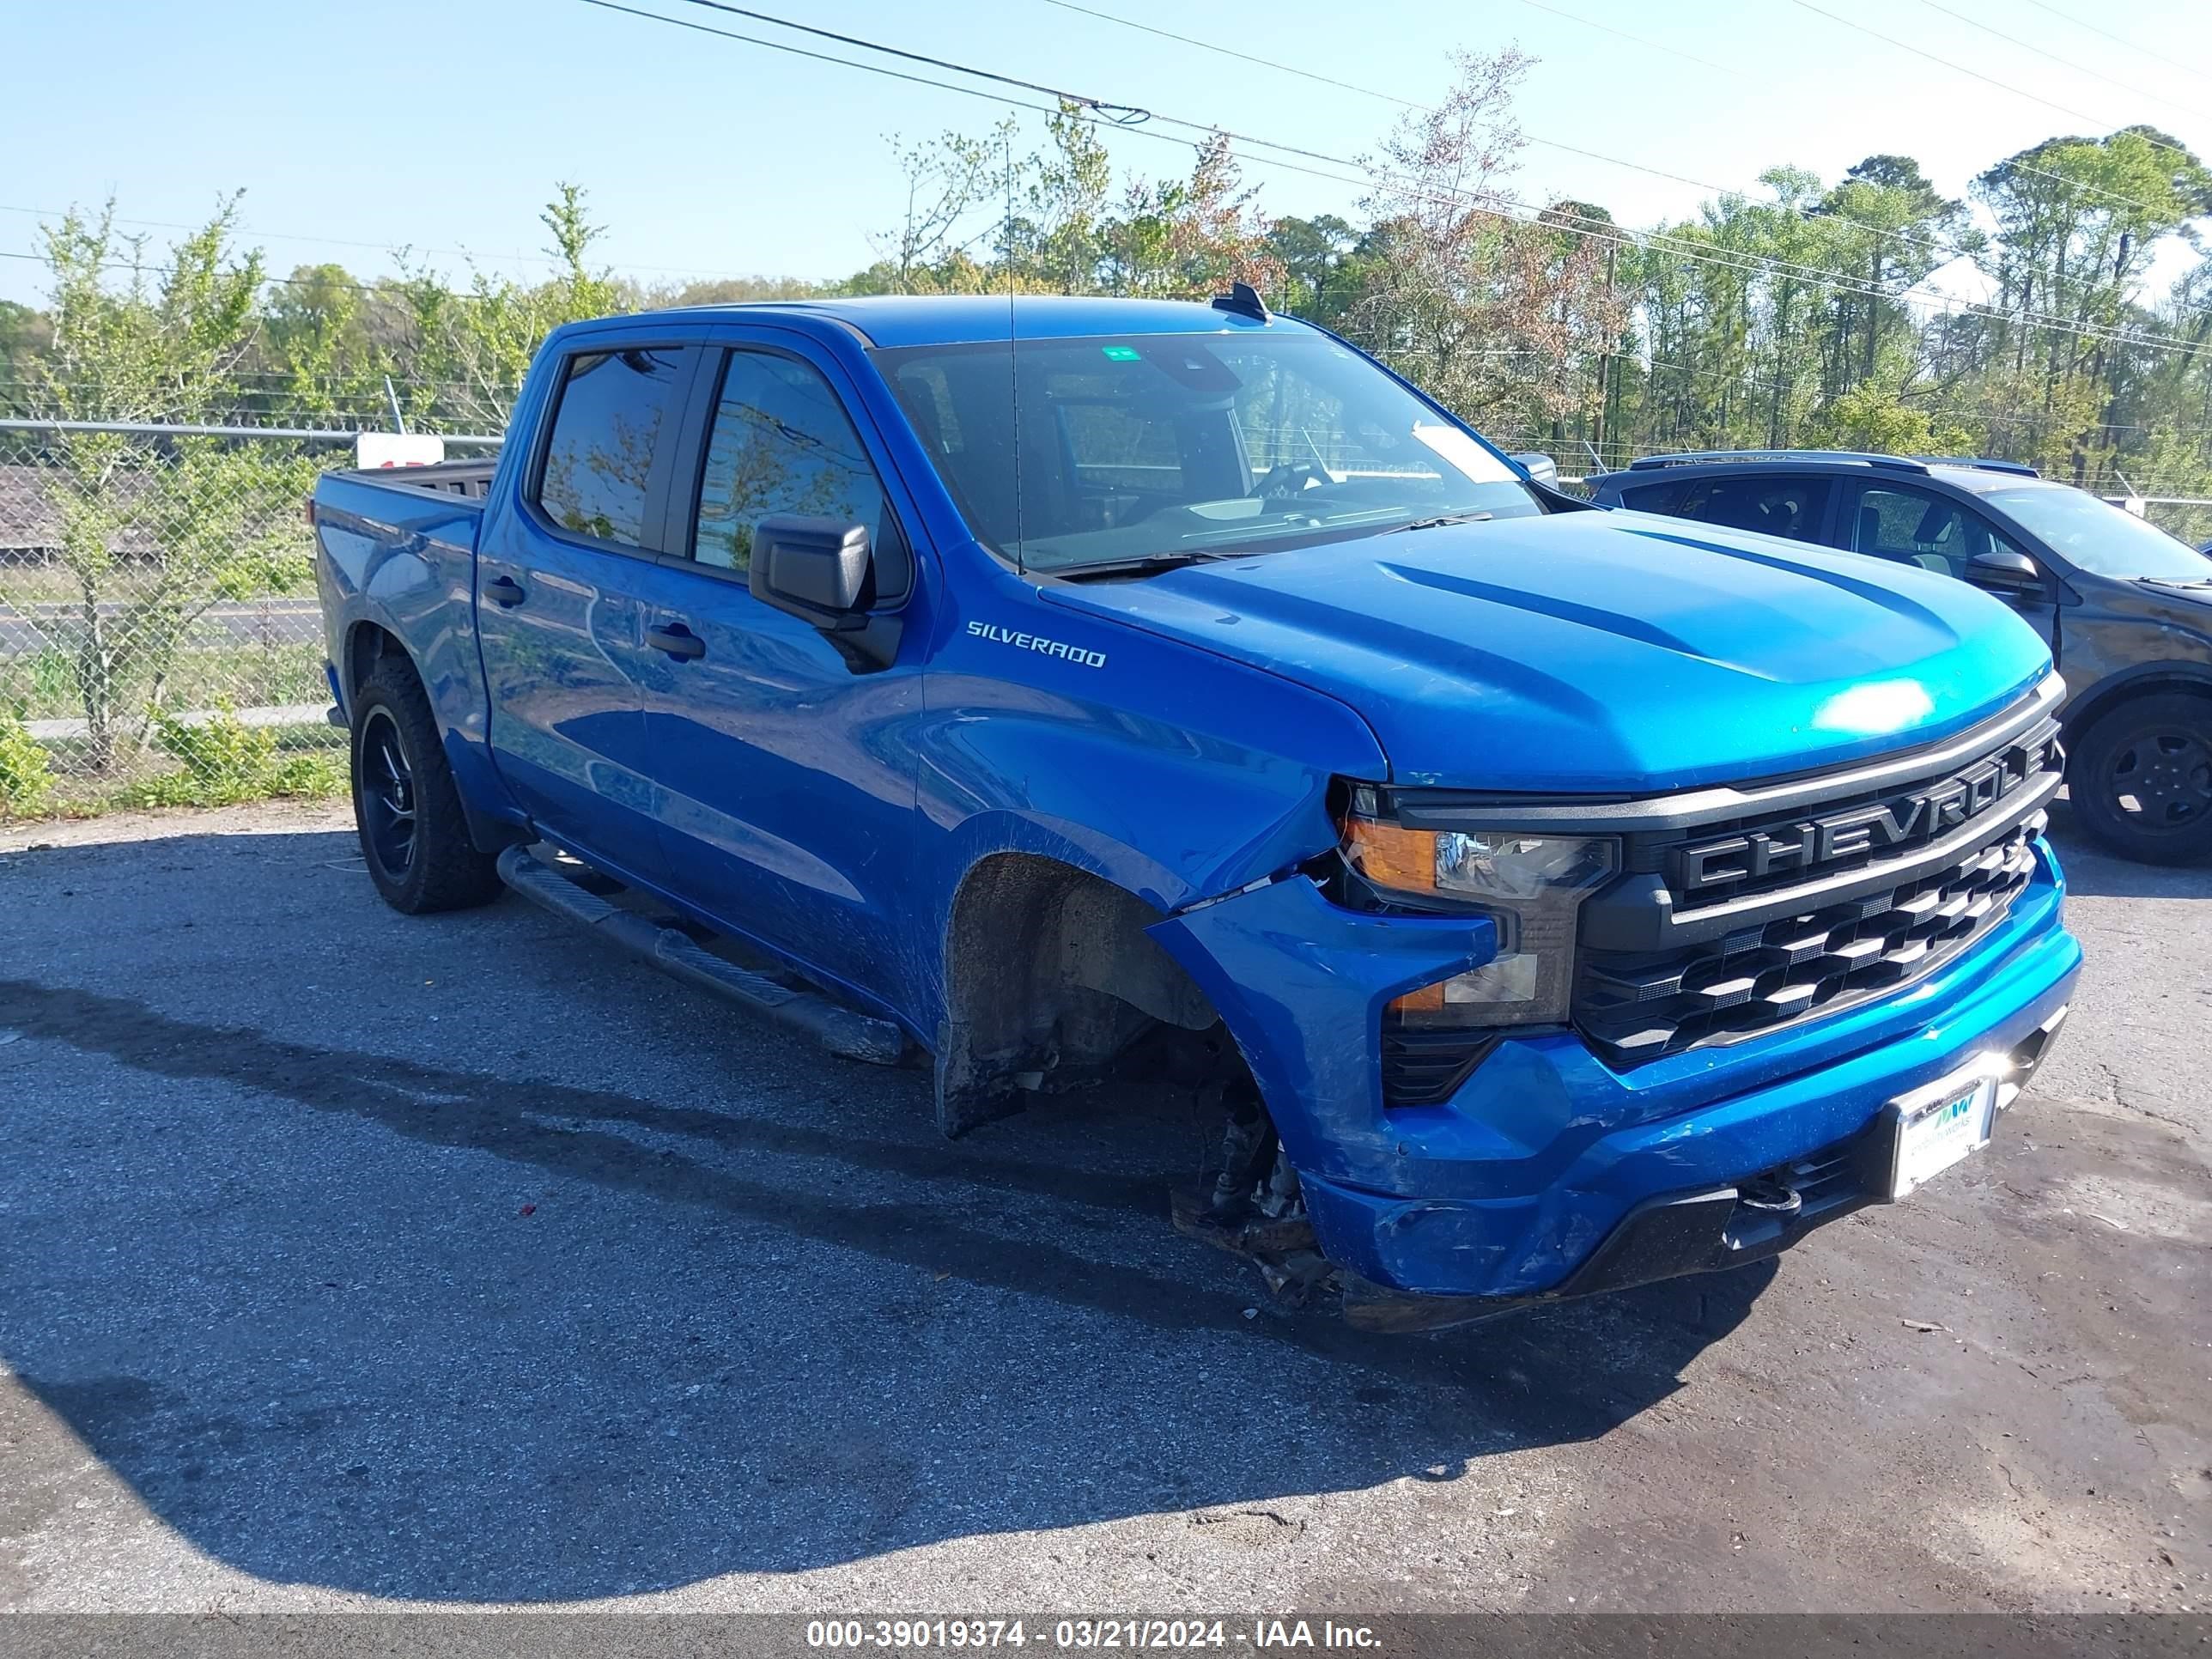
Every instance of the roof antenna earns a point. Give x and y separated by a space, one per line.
1244 300
1014 363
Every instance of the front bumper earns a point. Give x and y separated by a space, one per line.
1521 1183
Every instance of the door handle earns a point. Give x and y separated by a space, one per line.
677 641
504 590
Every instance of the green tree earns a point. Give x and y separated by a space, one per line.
469 348
153 535
320 342
25 336
1878 418
2078 222
1315 255
1891 228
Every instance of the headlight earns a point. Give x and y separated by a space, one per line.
1530 886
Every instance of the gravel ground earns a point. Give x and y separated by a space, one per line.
353 1261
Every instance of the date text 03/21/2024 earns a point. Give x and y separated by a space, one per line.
1087 1634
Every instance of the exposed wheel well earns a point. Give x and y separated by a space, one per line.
2104 699
1049 976
365 646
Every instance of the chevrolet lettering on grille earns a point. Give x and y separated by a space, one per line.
1804 845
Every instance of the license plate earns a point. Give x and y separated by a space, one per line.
1937 1125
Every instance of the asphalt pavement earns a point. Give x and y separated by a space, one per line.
350 1260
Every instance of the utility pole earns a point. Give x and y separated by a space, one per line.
1605 357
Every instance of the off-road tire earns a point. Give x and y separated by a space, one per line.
2155 750
443 869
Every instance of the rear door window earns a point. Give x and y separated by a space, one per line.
1654 498
615 420
1792 507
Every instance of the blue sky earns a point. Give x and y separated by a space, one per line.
354 128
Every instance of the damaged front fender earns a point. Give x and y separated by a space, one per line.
1301 984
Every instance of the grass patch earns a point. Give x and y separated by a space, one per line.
43 685
221 761
296 777
27 778
214 763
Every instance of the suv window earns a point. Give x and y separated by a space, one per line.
1893 521
781 442
1789 506
1654 498
613 416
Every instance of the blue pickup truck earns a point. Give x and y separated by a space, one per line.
1547 899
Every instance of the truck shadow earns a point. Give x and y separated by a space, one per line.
2094 873
344 1315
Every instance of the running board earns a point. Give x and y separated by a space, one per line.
840 1030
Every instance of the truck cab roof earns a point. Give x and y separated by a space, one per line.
909 319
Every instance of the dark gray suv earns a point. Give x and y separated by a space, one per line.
2126 608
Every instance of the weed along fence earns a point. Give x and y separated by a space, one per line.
160 640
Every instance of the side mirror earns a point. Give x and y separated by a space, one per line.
818 570
1540 467
2005 570
814 568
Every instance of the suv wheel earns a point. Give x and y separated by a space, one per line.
414 837
2141 778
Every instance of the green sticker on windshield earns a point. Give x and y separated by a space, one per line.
1120 354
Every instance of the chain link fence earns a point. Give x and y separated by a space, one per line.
159 639
2188 517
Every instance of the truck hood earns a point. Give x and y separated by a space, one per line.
1601 652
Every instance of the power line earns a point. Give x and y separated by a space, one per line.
1931 244
1641 40
1602 231
1946 252
391 288
2019 166
2052 57
2079 23
1741 73
1098 104
342 241
1240 57
1605 231
1987 80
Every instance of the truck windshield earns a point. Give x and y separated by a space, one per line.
1123 450
2096 537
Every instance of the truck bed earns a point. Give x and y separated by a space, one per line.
471 478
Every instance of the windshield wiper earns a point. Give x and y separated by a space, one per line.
1444 518
1148 565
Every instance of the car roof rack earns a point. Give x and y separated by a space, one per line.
1696 457
1982 463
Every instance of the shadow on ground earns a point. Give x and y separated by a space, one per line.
2094 873
457 1260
